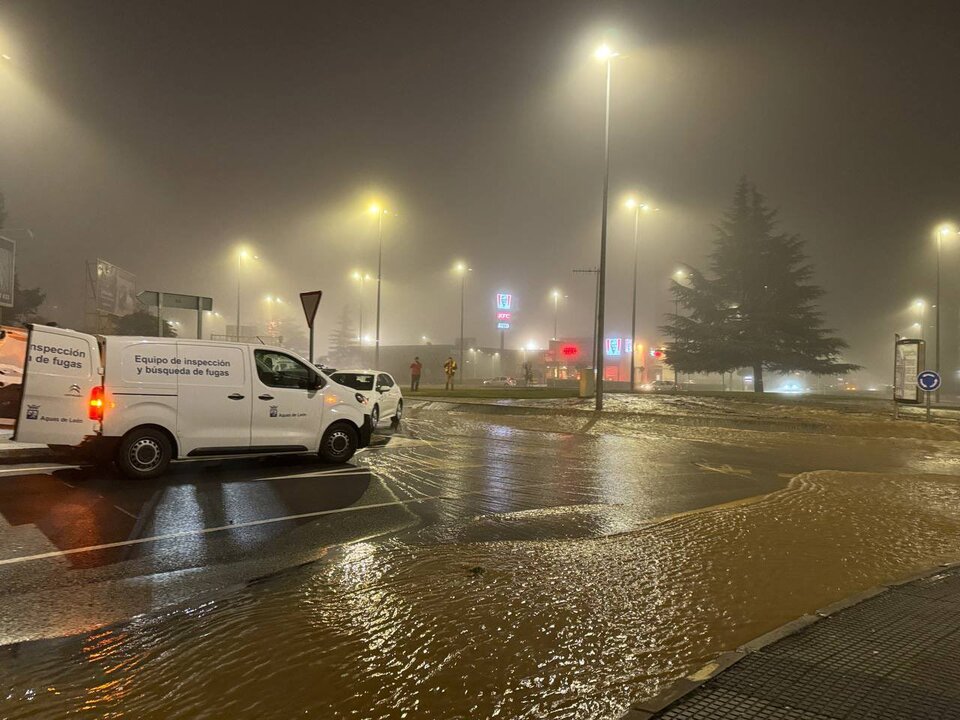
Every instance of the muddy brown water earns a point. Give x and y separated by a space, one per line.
562 628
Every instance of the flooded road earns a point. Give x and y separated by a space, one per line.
549 584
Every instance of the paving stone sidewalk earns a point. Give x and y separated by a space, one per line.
894 655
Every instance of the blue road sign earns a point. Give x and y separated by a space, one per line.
928 380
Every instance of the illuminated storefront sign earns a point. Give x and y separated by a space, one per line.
504 301
613 347
504 316
503 326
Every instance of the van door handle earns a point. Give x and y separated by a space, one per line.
266 397
235 396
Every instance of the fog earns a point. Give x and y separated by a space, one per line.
163 136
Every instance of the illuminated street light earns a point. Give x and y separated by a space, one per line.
461 269
376 209
633 204
556 295
242 254
605 54
921 307
679 276
362 278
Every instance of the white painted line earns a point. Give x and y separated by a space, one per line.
125 512
207 531
41 468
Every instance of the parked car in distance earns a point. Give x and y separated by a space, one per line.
383 394
659 386
502 381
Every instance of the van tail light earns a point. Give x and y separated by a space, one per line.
95 408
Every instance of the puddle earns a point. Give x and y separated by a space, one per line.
563 628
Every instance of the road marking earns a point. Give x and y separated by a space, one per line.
42 468
207 531
125 512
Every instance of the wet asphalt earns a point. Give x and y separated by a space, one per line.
80 547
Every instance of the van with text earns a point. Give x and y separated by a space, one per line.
145 402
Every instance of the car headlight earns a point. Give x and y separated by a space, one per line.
362 399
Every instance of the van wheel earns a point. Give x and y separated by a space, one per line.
144 453
374 416
339 443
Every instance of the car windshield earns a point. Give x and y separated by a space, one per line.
357 381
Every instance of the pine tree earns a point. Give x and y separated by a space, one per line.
757 307
342 344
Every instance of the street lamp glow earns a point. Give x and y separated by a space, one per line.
919 304
631 203
604 53
460 267
374 208
6 57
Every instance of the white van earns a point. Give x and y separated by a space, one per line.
148 401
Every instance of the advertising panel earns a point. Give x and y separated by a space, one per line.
116 289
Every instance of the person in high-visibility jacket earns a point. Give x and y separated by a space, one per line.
450 370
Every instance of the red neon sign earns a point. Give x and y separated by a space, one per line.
570 350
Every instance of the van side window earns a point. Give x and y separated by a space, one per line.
281 371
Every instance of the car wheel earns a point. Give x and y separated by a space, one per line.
144 454
399 413
339 443
374 416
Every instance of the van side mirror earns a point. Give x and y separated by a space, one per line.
316 382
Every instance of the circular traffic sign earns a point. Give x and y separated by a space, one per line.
928 380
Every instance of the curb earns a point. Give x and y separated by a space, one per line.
652 707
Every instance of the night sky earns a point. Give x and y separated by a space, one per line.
159 135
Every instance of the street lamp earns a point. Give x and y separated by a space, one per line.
941 231
606 55
379 211
637 207
678 276
361 277
461 269
921 308
556 295
242 255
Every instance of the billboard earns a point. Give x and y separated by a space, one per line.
8 256
908 360
116 290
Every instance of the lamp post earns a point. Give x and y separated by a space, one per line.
636 206
605 54
361 277
556 295
921 307
242 255
461 269
379 212
678 276
941 231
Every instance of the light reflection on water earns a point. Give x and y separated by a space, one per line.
563 628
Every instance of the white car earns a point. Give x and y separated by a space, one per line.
501 381
383 394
